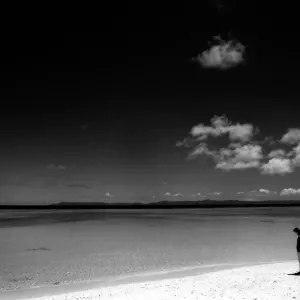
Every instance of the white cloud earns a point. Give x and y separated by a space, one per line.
277 165
290 191
221 126
223 56
242 157
265 191
292 136
167 194
247 153
277 153
108 194
295 155
242 152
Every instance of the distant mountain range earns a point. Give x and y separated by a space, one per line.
158 205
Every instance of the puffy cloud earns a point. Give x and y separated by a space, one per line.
290 191
292 136
221 126
277 153
223 56
295 155
265 191
242 152
247 153
242 157
109 195
277 165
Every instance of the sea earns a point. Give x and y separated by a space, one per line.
57 247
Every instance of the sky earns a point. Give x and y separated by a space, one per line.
147 104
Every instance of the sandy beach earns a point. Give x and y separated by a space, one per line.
261 282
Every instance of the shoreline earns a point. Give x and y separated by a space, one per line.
91 289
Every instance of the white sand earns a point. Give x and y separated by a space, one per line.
262 282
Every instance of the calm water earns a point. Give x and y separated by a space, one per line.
56 247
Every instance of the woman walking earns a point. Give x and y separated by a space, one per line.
297 231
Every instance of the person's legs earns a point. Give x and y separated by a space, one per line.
298 254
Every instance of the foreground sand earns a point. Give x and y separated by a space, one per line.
262 282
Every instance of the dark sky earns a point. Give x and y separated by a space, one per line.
96 104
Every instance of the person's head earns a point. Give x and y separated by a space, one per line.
297 231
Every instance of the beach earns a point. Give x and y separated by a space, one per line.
261 282
82 255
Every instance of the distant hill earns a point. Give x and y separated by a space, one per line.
158 205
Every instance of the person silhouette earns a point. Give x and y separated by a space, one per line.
297 231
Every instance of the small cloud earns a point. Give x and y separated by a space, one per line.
216 193
277 165
167 194
291 137
220 126
240 193
108 194
56 167
222 56
289 192
177 195
197 194
265 191
277 153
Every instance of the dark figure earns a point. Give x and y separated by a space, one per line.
297 231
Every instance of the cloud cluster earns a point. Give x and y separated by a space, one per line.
290 191
242 151
223 56
220 126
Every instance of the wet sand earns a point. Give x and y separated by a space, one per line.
247 281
